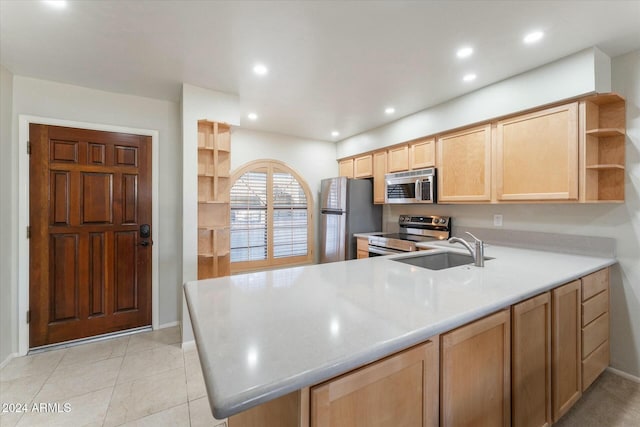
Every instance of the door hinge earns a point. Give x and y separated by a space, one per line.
28 316
28 231
28 147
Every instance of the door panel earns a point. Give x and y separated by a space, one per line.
64 277
96 274
125 244
60 187
97 201
90 273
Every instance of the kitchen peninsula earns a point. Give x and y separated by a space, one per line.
274 334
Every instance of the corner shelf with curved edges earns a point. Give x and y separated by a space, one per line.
604 148
214 161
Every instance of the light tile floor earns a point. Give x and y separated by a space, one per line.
144 379
147 380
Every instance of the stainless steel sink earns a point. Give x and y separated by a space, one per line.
438 261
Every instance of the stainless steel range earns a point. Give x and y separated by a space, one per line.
413 229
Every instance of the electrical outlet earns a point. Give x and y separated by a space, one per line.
497 220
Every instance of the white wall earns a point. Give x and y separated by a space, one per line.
61 101
618 221
197 104
313 160
8 239
583 72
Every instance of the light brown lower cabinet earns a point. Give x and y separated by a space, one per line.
362 246
475 379
566 359
290 410
531 362
399 391
522 366
595 326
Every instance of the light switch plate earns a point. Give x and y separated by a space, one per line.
497 220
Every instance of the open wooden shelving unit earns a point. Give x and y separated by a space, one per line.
603 139
214 163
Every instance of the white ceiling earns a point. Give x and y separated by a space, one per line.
333 65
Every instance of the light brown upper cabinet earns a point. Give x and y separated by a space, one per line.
537 155
363 166
602 120
422 154
464 165
345 168
379 170
398 158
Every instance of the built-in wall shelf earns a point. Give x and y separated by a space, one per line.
214 162
603 124
605 167
606 132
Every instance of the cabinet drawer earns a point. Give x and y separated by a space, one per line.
595 334
595 283
593 365
595 307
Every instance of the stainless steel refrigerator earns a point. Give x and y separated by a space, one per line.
346 207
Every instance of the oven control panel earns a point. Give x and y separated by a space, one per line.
424 221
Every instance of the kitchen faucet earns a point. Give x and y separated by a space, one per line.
477 253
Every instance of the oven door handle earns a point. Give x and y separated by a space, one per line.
385 251
418 190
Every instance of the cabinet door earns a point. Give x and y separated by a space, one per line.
346 168
399 391
363 167
422 154
475 377
566 353
398 159
362 245
531 362
379 170
537 155
464 166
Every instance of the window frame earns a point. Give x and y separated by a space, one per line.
270 261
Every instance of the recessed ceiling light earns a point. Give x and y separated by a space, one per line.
469 77
252 116
533 37
260 69
335 133
58 4
389 110
464 52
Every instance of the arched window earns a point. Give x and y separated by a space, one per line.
271 217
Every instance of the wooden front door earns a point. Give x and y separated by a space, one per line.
90 262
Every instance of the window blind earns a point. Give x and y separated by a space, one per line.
289 216
249 217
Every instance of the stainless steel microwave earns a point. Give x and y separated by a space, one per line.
417 186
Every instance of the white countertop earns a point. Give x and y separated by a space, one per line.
263 335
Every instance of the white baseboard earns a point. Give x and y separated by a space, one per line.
6 361
624 374
188 345
169 325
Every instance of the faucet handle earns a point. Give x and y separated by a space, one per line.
474 237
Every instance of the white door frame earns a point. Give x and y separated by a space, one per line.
23 214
